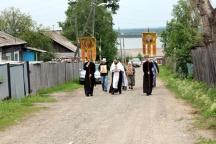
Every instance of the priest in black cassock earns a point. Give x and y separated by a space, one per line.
148 76
89 82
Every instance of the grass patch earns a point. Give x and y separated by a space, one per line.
66 87
205 141
197 93
14 110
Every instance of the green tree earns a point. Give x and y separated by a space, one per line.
14 22
18 24
80 10
182 33
139 56
38 40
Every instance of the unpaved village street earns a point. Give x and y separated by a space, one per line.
129 118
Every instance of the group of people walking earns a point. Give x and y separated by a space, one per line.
121 76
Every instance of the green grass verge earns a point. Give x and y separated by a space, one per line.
197 93
15 110
66 87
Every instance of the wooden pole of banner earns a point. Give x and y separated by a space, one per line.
85 27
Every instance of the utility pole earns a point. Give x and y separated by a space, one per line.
85 27
100 48
124 50
77 41
93 17
120 43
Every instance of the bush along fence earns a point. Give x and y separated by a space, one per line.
204 60
171 64
17 81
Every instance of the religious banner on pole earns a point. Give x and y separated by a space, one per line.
154 50
149 39
88 47
149 49
144 48
94 54
83 54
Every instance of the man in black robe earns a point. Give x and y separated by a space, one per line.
148 76
89 78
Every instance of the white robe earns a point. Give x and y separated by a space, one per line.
120 67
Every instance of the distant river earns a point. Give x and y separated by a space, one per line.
131 43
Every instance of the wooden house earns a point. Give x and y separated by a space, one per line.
14 49
63 47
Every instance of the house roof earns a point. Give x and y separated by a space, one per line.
65 55
35 49
8 40
59 38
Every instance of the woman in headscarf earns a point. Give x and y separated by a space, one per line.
130 72
155 70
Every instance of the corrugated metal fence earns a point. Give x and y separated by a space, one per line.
4 86
204 60
24 79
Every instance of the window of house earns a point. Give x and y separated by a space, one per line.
16 56
8 56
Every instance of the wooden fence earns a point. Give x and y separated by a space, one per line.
204 60
19 80
45 75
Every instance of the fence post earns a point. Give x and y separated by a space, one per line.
9 80
28 77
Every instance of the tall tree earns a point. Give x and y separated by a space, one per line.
104 33
14 22
208 20
38 40
18 24
181 33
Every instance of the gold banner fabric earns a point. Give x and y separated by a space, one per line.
154 50
83 54
94 54
88 45
149 49
89 54
149 39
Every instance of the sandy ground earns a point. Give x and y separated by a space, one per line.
129 118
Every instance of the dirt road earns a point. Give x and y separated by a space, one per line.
129 118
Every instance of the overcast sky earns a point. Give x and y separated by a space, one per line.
132 13
143 13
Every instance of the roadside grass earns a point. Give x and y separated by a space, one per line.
198 94
13 111
66 87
